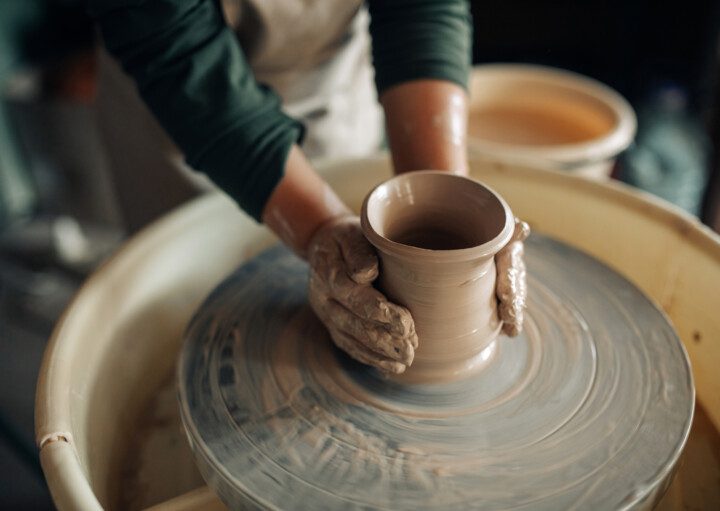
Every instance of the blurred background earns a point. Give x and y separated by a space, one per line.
59 214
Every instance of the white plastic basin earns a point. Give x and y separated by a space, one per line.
108 431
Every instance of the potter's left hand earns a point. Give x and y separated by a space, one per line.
311 219
511 287
360 319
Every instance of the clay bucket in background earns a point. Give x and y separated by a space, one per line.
437 235
547 118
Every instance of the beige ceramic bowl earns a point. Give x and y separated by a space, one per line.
106 417
547 117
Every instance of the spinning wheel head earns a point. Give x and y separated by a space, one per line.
590 406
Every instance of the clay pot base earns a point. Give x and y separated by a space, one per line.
590 407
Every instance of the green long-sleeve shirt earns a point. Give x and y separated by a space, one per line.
192 73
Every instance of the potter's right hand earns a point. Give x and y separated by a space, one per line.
360 319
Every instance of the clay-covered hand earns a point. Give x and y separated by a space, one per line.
360 319
511 286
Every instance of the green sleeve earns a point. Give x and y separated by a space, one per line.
191 72
415 39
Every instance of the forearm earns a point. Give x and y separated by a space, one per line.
426 123
422 55
301 203
191 72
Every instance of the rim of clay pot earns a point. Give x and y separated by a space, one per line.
489 247
604 147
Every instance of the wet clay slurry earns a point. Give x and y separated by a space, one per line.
589 407
551 124
547 117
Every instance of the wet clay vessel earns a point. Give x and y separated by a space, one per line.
436 235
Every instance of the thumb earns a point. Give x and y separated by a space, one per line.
361 262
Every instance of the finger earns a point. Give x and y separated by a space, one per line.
512 315
522 231
511 288
359 256
362 299
360 353
375 337
334 314
413 338
318 296
370 304
327 266
512 320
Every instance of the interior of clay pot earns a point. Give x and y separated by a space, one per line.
436 211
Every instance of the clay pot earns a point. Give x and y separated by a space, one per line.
436 235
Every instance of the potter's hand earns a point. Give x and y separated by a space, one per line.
511 287
309 217
360 319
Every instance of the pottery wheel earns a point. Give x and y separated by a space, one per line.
589 408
